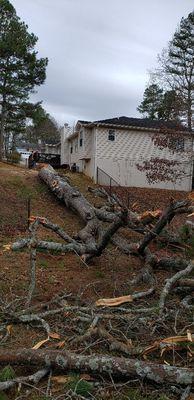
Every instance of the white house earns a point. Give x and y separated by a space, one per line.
116 146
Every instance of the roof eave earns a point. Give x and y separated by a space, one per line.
73 135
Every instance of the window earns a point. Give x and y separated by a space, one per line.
111 135
81 139
176 144
71 149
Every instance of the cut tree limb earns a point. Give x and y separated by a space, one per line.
170 282
34 378
115 301
119 367
168 214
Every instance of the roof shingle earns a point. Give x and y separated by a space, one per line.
139 122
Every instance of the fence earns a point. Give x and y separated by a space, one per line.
113 188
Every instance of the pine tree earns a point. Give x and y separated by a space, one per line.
152 100
178 63
43 126
20 69
172 106
158 104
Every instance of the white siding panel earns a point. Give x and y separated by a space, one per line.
119 158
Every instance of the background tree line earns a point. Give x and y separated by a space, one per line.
170 95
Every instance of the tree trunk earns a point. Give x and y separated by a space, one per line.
189 109
92 235
2 130
74 200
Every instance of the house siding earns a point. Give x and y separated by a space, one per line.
83 156
119 158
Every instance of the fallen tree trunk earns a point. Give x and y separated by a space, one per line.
118 367
74 200
92 217
72 197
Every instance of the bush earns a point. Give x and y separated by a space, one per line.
14 157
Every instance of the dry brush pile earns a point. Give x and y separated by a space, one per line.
119 339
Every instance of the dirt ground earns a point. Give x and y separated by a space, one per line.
108 276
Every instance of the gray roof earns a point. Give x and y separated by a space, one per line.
138 123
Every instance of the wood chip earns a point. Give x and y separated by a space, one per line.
40 344
114 301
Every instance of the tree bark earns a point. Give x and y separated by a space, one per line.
2 129
167 216
118 367
74 200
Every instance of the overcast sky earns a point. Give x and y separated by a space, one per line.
99 51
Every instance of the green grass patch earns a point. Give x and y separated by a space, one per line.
79 386
7 373
41 188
